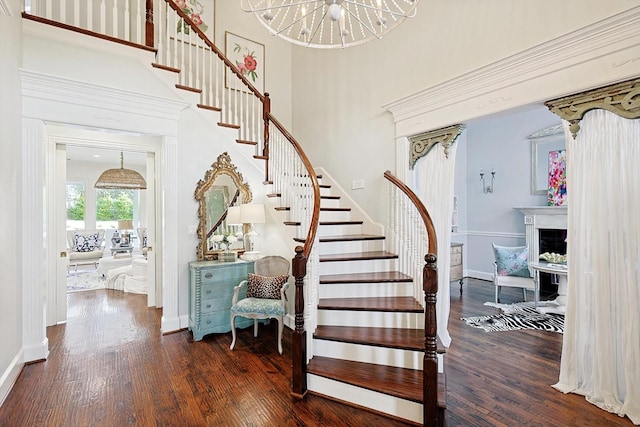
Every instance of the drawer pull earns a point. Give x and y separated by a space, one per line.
208 305
208 275
208 291
208 322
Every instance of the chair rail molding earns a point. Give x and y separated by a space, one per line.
596 55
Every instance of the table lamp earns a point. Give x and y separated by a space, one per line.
251 214
124 225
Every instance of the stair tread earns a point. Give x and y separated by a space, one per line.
406 339
341 222
398 382
358 256
373 277
247 142
386 304
344 238
351 237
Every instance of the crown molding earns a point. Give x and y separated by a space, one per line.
106 106
549 70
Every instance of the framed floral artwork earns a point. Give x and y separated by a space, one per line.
557 195
201 12
248 57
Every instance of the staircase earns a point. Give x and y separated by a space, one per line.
368 347
372 342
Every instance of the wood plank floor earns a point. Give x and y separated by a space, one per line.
110 366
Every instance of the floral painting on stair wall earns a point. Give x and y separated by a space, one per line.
201 12
248 57
557 195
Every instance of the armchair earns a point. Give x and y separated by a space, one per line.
266 298
85 247
511 269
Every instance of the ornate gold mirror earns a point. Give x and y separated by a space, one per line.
222 187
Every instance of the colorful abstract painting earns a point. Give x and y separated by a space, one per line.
557 195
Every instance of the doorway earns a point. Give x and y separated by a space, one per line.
81 155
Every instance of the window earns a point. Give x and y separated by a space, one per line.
75 205
114 205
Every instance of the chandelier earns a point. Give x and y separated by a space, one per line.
330 23
121 179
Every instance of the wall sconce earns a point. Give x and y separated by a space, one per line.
488 189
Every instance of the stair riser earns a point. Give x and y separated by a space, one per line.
363 290
369 354
372 319
350 246
360 266
330 203
338 230
380 402
335 215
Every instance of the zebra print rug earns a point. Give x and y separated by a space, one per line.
517 316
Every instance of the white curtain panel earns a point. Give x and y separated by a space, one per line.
433 177
601 347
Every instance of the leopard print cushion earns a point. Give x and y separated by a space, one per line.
265 287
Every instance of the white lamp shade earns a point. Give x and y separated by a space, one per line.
125 224
234 215
252 214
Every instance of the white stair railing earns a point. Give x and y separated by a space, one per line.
119 19
407 237
204 69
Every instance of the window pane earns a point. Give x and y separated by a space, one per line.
113 205
75 205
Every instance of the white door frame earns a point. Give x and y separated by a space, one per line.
50 99
58 138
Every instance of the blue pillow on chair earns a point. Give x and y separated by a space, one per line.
512 261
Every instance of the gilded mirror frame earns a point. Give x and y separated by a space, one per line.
222 166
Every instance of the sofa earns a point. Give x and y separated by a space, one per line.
84 247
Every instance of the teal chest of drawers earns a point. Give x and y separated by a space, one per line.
211 286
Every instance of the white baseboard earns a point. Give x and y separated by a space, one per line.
36 352
10 375
482 275
174 324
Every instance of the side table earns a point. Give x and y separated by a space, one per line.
559 305
455 267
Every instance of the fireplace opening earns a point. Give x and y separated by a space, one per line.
551 240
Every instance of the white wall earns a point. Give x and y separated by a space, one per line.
339 94
498 143
10 183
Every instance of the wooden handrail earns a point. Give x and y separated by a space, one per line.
215 49
424 214
315 217
430 289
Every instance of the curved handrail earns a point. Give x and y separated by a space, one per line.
315 216
424 214
214 48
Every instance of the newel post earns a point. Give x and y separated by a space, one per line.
430 365
266 106
148 27
299 339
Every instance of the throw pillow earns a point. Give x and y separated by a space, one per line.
265 287
512 261
86 242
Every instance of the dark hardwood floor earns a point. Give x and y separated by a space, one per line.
110 366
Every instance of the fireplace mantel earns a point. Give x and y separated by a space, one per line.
541 217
